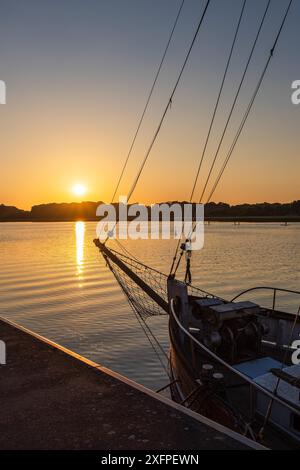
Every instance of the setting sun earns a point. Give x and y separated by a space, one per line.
79 189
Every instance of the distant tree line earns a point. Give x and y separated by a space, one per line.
8 213
264 209
213 211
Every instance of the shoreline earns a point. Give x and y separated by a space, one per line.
254 219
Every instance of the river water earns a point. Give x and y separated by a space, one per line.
54 281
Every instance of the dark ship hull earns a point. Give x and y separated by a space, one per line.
231 361
224 356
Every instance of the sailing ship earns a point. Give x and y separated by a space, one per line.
230 360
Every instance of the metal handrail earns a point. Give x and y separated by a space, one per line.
265 288
232 369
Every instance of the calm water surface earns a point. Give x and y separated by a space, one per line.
54 281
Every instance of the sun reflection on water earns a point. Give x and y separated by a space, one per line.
80 230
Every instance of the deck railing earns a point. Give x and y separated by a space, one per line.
282 401
275 290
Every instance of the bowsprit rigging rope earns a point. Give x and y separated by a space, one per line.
136 307
245 117
141 303
128 271
143 306
154 343
148 100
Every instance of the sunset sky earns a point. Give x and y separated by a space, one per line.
78 73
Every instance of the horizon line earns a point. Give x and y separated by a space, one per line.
149 204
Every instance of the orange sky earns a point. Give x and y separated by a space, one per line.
74 98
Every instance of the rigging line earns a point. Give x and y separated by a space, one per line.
167 107
131 302
227 123
169 101
212 119
160 347
148 100
249 106
235 100
148 336
235 141
218 98
246 114
125 250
